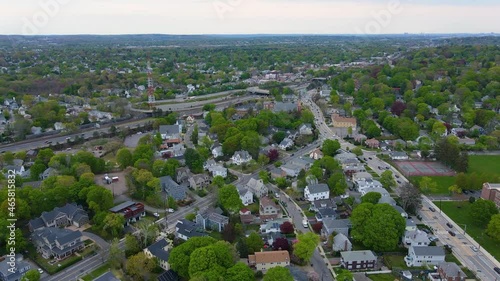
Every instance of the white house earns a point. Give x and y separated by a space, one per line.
361 176
285 144
316 192
246 195
209 163
366 185
241 157
424 255
316 154
218 171
416 238
291 169
161 251
257 187
397 155
305 129
217 151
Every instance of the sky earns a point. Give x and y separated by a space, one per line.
42 17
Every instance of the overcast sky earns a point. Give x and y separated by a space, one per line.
248 16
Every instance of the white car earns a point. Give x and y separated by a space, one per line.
156 215
40 271
170 210
305 223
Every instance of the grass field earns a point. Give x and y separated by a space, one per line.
382 277
443 183
458 211
484 164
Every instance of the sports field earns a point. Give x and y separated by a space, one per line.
424 168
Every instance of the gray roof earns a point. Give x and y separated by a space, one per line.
54 234
108 276
326 213
158 250
37 223
451 269
284 106
173 189
4 268
357 256
121 206
169 129
340 239
318 188
189 228
332 223
72 211
428 251
410 222
325 203
169 275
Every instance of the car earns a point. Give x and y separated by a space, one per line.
449 225
432 209
451 233
40 271
426 230
277 195
68 138
497 269
398 182
370 158
474 248
387 168
156 215
305 223
397 176
465 192
170 210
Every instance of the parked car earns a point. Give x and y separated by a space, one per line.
497 269
370 158
474 248
432 209
305 223
451 233
449 225
40 271
397 176
170 210
156 215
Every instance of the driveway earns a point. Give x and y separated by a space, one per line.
97 239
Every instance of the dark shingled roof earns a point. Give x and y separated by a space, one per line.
157 249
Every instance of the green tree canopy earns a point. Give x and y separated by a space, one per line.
278 274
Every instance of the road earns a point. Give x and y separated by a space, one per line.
480 262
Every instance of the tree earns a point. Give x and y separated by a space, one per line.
493 229
371 197
304 248
286 228
229 234
330 147
337 184
218 181
344 275
229 199
387 180
273 155
279 136
139 266
116 255
454 189
254 243
278 274
426 184
239 272
357 151
398 107
411 199
281 244
317 227
194 160
264 176
31 275
179 258
194 135
131 245
482 211
124 158
113 224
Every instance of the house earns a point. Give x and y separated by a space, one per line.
331 225
448 271
17 169
169 275
424 255
198 181
49 172
305 129
323 203
69 214
273 226
8 273
372 143
365 186
268 209
343 122
173 189
170 132
285 144
257 187
410 225
182 174
400 210
209 163
108 276
132 211
491 191
246 195
361 176
316 192
416 238
359 138
316 154
57 243
354 260
351 169
324 213
291 169
218 170
246 216
161 251
341 243
277 173
398 155
466 141
217 151
210 220
178 150
185 229
265 260
241 157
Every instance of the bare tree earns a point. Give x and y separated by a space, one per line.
411 198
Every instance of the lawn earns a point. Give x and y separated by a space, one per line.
382 277
459 212
96 273
489 164
443 183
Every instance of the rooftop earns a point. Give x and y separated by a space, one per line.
358 256
269 257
